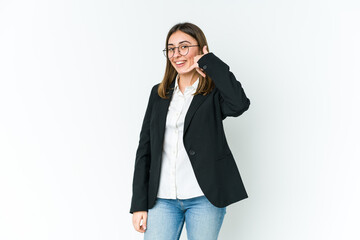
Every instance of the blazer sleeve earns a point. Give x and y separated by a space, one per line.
142 162
233 100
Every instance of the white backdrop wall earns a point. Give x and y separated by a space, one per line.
75 77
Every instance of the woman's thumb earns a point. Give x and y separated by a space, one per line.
144 223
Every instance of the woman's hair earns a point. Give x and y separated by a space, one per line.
205 83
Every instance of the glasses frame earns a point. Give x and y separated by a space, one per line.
166 55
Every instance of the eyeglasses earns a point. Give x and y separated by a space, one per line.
183 50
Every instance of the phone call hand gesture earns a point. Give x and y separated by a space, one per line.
196 65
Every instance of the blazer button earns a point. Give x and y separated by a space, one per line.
204 67
191 152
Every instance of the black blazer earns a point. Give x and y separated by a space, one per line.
204 140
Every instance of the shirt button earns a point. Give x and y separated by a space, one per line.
204 67
192 152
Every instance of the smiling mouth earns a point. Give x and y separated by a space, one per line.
180 63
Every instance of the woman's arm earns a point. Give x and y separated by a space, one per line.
233 99
142 161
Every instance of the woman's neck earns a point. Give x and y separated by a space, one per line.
188 79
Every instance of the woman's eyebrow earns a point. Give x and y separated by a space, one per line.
179 42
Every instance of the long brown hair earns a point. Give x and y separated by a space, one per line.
205 83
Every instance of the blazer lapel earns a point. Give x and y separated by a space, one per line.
162 109
195 103
163 106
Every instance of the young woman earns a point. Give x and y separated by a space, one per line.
184 169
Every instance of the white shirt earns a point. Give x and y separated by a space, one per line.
177 177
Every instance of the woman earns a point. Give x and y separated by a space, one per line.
184 169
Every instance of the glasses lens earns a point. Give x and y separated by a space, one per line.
184 49
170 52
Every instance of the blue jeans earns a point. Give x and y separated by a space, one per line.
166 219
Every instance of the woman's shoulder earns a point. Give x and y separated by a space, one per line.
155 88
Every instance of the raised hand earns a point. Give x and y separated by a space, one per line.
196 65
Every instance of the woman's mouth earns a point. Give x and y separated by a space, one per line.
180 63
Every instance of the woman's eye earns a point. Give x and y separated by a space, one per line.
170 49
184 47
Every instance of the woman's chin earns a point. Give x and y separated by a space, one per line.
181 70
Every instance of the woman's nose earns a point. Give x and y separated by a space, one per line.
177 53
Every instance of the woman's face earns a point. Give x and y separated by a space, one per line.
179 62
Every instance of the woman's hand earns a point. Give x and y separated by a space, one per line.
137 217
196 65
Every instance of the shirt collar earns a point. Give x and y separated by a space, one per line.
193 86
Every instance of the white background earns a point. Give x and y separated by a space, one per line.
75 77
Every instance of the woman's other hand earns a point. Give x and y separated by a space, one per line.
137 217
